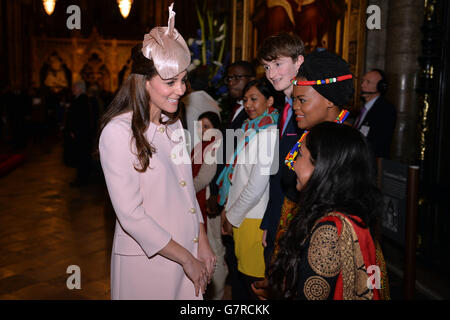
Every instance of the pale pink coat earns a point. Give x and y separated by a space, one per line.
151 208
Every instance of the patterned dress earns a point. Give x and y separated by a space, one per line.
336 261
288 211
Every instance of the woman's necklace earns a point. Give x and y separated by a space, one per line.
290 158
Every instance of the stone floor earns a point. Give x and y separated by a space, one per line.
46 226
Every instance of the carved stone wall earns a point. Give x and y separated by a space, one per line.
376 39
94 60
29 38
402 67
396 48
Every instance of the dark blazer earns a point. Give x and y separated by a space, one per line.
282 183
78 132
239 120
381 120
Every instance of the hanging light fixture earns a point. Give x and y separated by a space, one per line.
125 7
49 6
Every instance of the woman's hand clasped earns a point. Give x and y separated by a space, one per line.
227 227
206 255
264 239
197 271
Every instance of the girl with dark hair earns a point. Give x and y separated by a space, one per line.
203 157
160 248
204 167
244 183
328 247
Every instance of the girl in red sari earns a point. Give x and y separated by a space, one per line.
328 250
203 155
204 166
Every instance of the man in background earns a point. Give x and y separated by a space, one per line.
78 132
378 117
238 75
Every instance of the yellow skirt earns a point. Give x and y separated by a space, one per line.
248 248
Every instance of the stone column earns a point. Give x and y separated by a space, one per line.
14 44
162 12
16 17
403 48
376 39
3 52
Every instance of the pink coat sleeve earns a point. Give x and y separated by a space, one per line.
123 185
199 212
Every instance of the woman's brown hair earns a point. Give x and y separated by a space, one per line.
133 96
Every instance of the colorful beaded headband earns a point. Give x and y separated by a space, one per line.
290 158
295 82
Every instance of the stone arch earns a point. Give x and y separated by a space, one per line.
95 72
55 74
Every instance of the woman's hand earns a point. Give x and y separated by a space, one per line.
212 208
264 239
196 271
205 253
260 289
227 227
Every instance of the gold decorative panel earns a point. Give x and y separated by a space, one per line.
338 25
95 60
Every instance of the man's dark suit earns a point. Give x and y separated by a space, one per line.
79 136
238 120
380 120
282 184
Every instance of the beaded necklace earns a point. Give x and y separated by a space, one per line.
290 158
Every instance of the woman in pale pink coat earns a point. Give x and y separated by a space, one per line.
160 248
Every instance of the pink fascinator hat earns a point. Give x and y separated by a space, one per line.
165 47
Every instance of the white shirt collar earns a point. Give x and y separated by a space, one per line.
241 102
368 106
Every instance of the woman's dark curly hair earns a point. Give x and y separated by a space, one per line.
343 180
212 117
262 85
